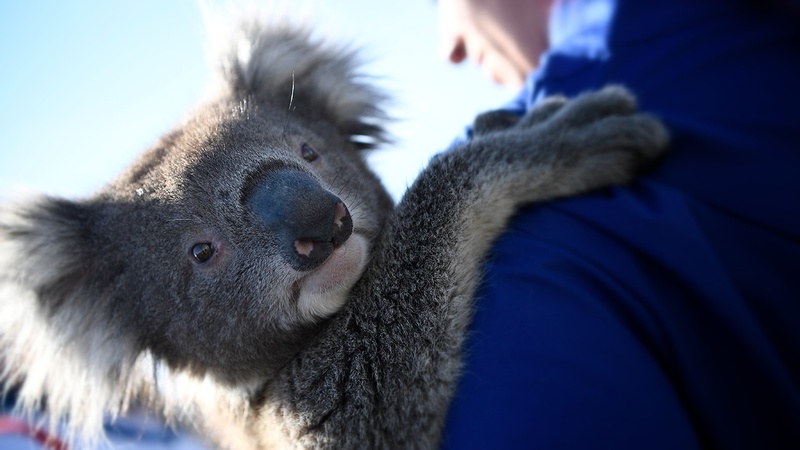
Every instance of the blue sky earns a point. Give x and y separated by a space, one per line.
86 85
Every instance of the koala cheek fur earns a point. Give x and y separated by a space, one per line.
249 275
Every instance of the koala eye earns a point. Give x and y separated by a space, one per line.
202 252
308 153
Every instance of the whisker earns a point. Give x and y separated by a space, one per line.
291 97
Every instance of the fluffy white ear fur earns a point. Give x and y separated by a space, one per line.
47 353
280 55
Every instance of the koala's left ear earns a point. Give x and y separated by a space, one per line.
48 247
58 338
285 64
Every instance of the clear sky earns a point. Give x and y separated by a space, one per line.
86 85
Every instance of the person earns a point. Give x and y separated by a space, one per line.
664 313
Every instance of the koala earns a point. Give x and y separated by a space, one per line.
249 275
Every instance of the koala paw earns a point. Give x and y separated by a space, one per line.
608 121
596 139
600 136
567 147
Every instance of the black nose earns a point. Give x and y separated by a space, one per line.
308 220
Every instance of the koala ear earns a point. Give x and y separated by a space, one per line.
55 337
47 248
285 65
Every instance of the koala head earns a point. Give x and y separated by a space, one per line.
223 247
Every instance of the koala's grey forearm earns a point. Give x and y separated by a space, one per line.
383 372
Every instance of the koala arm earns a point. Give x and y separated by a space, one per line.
381 375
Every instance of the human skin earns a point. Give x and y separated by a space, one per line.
504 37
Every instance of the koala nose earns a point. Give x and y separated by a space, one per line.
308 220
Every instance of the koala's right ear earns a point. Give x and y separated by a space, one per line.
56 275
56 339
48 247
60 335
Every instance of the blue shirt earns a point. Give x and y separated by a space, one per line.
664 313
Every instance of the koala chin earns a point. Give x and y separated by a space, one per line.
249 275
325 290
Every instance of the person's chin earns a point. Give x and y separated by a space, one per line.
512 81
503 74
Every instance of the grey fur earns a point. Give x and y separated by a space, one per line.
101 304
